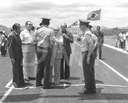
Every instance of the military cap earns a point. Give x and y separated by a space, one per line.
2 32
45 20
83 22
90 26
41 24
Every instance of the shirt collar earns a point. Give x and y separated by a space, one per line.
86 30
28 31
15 32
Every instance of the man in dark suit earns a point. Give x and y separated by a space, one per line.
67 39
15 53
100 37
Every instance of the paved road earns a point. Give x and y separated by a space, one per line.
111 86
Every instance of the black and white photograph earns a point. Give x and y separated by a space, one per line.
63 51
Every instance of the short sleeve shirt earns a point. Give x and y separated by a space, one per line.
44 34
86 40
27 37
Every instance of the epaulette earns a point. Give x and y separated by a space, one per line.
89 34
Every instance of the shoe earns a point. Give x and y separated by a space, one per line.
47 87
15 85
26 79
56 85
93 92
32 78
99 57
39 85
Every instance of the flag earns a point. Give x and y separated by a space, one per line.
74 24
94 15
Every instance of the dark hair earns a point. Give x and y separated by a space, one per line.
41 24
33 28
98 26
27 22
15 26
45 23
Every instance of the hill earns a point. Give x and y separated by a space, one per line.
75 30
106 31
6 29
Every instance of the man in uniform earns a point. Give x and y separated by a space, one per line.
95 41
44 52
100 37
15 53
67 39
87 58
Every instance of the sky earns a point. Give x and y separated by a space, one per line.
114 13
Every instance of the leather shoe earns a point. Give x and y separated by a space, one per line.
15 85
46 87
39 85
26 79
93 92
32 78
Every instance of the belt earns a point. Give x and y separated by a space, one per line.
85 51
27 44
43 47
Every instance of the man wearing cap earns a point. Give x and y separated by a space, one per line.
44 51
67 39
100 37
87 58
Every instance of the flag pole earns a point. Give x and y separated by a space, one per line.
101 22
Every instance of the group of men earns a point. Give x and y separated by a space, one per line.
23 45
122 40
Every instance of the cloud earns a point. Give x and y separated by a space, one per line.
59 11
28 7
39 9
122 5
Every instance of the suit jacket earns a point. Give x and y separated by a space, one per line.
15 46
67 42
100 37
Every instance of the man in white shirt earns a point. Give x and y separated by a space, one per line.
121 40
28 46
126 43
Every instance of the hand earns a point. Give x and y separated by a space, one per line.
63 34
12 60
88 59
54 38
21 62
33 43
78 38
